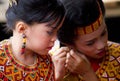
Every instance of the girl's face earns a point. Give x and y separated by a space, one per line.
93 45
41 37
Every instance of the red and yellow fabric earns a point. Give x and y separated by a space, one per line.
12 70
109 69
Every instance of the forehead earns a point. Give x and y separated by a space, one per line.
93 35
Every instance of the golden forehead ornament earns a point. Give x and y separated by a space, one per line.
92 27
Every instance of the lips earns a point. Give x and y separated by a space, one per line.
49 48
102 53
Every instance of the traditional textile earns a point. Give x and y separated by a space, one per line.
12 70
109 69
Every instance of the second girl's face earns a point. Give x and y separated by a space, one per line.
41 37
93 45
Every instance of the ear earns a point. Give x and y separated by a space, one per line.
21 27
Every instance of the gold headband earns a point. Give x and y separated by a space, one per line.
92 27
11 2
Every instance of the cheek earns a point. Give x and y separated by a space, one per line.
86 50
38 40
42 40
106 37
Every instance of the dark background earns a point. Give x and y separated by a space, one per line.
113 24
3 33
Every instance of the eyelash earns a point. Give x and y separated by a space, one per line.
91 43
50 32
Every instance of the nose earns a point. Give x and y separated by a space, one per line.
100 45
54 38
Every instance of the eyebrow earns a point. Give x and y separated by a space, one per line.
51 26
95 38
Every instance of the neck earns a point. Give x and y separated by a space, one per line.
28 58
95 63
95 60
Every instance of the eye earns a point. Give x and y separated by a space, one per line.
90 43
50 32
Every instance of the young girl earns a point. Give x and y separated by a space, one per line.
34 23
90 57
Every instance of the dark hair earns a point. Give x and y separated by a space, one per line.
79 13
34 11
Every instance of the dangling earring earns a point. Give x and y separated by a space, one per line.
23 44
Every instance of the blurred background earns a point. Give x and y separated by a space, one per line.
112 19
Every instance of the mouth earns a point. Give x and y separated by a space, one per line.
102 53
49 48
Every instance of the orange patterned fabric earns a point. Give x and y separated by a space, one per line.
109 68
12 70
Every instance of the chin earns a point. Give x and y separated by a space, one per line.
99 57
43 53
96 58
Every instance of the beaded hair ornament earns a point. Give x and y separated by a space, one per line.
11 2
92 27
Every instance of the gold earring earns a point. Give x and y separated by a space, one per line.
23 44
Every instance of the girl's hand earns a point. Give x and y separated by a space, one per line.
77 63
59 58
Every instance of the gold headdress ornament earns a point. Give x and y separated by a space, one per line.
11 2
92 27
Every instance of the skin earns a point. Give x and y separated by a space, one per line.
93 44
59 60
89 46
40 39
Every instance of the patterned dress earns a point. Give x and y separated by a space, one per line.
109 68
12 70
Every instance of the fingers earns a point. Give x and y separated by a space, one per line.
75 55
59 56
69 63
61 50
79 56
60 53
76 62
70 59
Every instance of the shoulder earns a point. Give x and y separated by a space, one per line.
2 44
2 50
113 46
114 59
114 50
